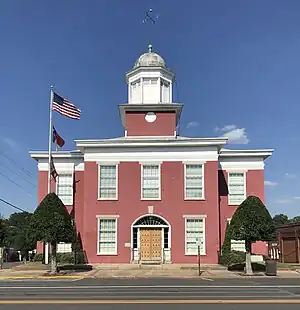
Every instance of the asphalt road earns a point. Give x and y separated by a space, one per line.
159 294
153 307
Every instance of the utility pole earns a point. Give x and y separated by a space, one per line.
199 251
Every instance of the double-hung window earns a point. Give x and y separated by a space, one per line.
236 187
151 181
64 188
193 174
108 182
194 235
107 236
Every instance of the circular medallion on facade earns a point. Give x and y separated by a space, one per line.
150 117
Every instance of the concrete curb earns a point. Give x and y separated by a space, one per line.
42 277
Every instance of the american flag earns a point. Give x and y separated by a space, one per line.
64 107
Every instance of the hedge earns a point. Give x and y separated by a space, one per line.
64 258
232 258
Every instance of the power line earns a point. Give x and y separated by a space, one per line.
19 175
14 162
9 179
11 205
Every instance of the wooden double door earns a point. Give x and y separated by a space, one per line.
151 244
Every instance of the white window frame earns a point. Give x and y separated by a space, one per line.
137 85
197 217
203 195
230 203
107 217
164 84
159 179
57 185
103 164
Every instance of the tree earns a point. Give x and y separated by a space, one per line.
226 247
3 227
251 222
51 223
295 219
280 219
18 235
2 231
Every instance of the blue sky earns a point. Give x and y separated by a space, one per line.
237 65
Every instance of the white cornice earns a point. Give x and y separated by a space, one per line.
62 164
264 153
144 70
66 154
157 154
163 149
158 142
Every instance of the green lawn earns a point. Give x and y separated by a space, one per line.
284 265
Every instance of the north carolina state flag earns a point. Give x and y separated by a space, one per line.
58 139
53 171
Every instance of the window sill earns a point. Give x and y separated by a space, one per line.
150 199
107 199
107 254
234 204
192 254
194 199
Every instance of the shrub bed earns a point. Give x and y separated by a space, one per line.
232 258
65 258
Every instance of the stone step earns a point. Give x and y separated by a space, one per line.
150 262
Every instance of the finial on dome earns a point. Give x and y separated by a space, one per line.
150 48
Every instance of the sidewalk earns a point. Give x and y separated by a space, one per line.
206 273
37 274
136 271
37 270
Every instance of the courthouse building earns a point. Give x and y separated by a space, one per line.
152 195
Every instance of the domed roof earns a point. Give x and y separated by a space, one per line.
150 59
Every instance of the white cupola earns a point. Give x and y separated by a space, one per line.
150 81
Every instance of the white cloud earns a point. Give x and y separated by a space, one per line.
11 143
290 175
235 135
270 183
284 201
228 128
192 124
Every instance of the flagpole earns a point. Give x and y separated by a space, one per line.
50 140
49 162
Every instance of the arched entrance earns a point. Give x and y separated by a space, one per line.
151 239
